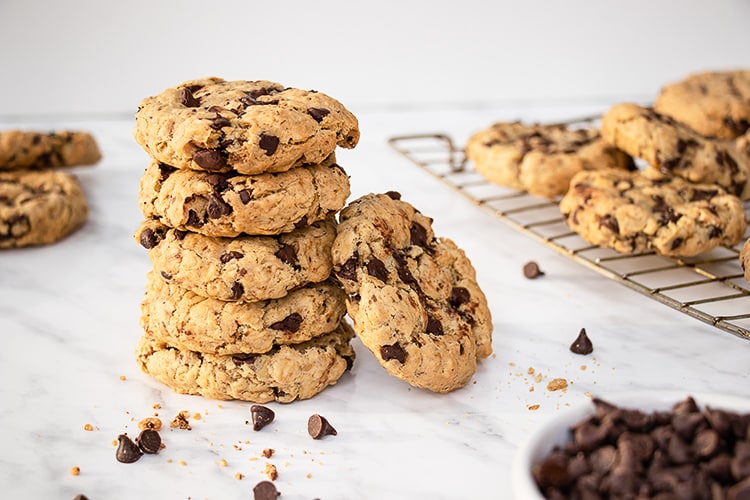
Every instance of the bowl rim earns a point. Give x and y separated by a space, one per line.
553 429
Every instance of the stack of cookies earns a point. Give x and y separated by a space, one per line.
239 204
40 205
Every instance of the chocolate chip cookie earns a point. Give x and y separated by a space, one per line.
247 268
671 148
39 207
247 126
631 213
713 103
540 159
414 298
183 319
229 204
22 149
284 374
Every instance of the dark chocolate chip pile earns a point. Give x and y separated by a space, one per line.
626 453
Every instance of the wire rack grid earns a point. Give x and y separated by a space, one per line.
710 287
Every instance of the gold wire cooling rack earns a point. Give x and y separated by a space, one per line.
710 287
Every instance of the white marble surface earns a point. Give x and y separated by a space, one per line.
69 323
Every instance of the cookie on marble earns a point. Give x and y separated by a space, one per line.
671 148
284 374
183 319
539 158
247 126
413 298
23 149
630 213
39 207
713 103
230 204
246 268
745 259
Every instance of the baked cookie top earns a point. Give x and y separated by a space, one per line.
671 148
39 207
246 268
629 212
247 126
540 158
414 298
20 149
230 204
184 319
284 374
713 103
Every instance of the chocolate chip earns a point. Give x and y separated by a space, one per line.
676 243
244 359
220 122
193 219
348 269
393 351
80 496
377 269
165 171
287 254
246 195
127 451
610 223
318 113
165 275
265 490
149 441
217 207
268 143
289 324
237 290
531 270
318 427
227 256
394 195
418 235
188 99
434 327
149 238
582 344
459 295
210 159
262 416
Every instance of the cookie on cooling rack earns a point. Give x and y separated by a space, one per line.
22 149
414 298
629 213
713 103
671 148
542 158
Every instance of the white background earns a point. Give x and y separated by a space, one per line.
94 56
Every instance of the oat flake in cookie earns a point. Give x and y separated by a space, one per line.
414 298
247 126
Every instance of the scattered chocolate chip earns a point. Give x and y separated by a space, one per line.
582 344
318 113
268 143
262 416
377 269
531 270
127 451
265 490
393 351
188 99
149 238
149 441
318 427
210 159
289 324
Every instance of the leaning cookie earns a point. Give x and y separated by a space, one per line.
22 149
284 374
414 298
39 207
183 319
713 103
540 159
630 213
745 259
223 204
247 126
246 268
671 148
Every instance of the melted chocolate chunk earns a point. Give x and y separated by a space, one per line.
219 182
237 290
127 451
210 159
262 416
459 295
289 324
220 122
434 327
246 195
227 256
193 220
418 235
149 238
393 351
394 195
165 171
610 223
582 344
149 441
703 194
677 243
217 207
348 269
268 143
287 254
318 427
17 226
244 359
377 269
187 99
318 113
166 275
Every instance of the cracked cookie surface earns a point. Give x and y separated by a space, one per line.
541 158
247 268
630 213
183 319
713 103
222 204
671 148
22 149
39 207
247 126
284 374
414 298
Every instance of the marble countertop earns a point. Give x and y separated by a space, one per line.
69 323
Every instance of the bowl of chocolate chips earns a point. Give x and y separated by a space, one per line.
647 445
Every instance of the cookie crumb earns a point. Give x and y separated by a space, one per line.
196 416
222 463
268 452
156 406
309 475
88 427
182 463
123 377
181 421
75 471
557 384
152 423
533 407
239 476
271 472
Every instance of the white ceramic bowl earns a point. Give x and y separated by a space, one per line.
555 430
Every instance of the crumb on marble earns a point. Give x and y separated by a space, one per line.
222 463
309 475
239 476
123 377
268 452
196 416
533 407
271 472
156 406
557 384
182 463
152 423
181 421
75 471
88 427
